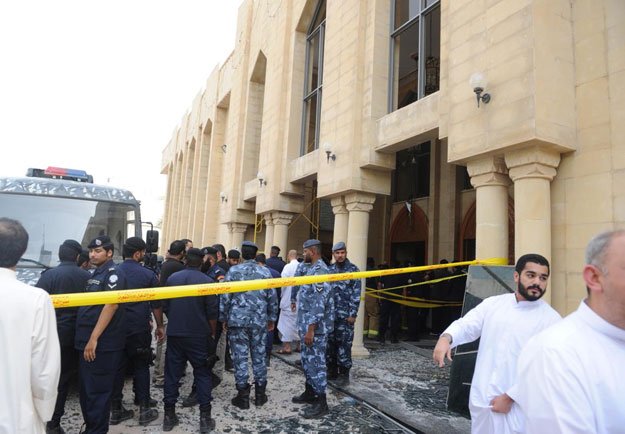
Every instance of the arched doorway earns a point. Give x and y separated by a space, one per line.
466 243
409 236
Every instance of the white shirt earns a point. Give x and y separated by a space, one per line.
504 325
30 356
285 297
573 377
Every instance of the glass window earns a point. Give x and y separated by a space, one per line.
415 54
412 173
313 80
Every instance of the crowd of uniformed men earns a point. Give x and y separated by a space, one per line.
106 342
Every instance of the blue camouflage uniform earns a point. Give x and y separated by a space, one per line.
247 314
188 333
315 306
97 377
302 269
346 294
138 332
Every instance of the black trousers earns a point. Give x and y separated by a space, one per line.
179 351
389 311
137 352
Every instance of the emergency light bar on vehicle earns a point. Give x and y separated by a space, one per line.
60 173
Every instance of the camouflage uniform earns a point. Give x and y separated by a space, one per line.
315 306
346 294
302 269
247 314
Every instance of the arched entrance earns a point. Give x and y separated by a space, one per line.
466 243
409 236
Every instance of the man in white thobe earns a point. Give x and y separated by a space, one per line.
30 363
504 324
288 315
571 377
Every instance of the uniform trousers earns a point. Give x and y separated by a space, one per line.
340 344
181 350
246 341
96 389
314 362
139 353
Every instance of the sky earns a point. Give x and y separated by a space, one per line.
101 86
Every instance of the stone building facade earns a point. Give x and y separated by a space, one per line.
355 120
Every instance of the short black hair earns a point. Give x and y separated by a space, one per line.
248 252
261 258
13 242
534 258
221 249
194 261
234 254
67 254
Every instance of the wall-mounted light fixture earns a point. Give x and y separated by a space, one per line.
261 178
224 148
478 83
327 148
223 197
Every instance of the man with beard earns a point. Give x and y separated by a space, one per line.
346 295
504 324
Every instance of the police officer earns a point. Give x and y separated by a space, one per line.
210 266
100 338
138 349
315 320
346 294
64 279
248 316
192 320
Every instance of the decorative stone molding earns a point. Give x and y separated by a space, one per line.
359 201
281 218
268 219
240 228
532 163
488 171
338 205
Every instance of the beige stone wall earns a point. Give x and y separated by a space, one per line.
551 136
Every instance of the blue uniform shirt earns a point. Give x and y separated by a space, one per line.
65 279
216 273
250 308
105 278
189 316
315 304
346 293
137 314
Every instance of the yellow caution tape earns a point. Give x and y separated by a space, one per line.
150 294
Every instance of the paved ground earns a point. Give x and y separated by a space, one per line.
399 380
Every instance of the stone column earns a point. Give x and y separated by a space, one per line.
532 170
359 205
237 232
341 219
268 233
490 179
281 222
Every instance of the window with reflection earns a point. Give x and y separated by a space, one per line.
313 80
412 173
415 53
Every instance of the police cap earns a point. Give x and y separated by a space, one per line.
249 244
338 246
311 243
102 241
72 245
135 244
209 251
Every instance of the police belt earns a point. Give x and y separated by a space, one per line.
150 294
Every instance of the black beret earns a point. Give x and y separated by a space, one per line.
101 241
135 244
73 245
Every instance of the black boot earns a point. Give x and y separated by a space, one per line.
191 400
316 409
268 359
54 428
170 420
207 424
153 402
307 397
119 413
260 397
242 400
343 377
215 380
146 414
332 372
